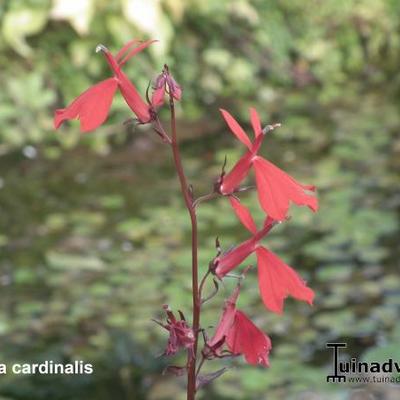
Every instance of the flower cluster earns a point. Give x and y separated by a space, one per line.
276 280
235 334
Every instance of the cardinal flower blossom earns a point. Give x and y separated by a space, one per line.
275 188
93 105
226 262
240 335
276 280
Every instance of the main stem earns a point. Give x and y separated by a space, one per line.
191 382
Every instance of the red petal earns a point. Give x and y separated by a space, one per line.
136 50
276 189
245 338
91 107
236 128
227 318
237 174
277 281
255 122
269 223
125 48
128 90
133 99
230 260
243 214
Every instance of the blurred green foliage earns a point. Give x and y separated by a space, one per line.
94 236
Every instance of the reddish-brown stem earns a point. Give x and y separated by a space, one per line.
191 383
160 130
213 195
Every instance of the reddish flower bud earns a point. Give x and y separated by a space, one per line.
181 336
165 83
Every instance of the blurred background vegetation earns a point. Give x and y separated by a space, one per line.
93 232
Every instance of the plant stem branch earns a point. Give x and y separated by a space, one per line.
203 281
200 365
191 385
206 197
213 195
161 131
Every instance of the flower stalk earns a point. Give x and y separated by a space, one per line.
235 334
191 364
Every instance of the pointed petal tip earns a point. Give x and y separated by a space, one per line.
313 203
255 121
311 188
311 298
58 117
129 54
243 214
236 129
85 129
277 310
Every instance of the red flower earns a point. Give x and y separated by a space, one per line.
93 105
276 279
180 334
234 257
240 335
226 320
276 189
165 83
